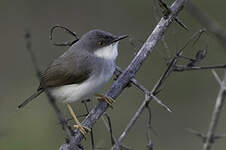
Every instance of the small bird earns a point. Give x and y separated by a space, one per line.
82 71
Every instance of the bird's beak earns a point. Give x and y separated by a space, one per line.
119 38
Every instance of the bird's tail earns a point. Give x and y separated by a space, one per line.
29 99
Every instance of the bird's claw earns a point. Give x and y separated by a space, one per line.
107 99
82 129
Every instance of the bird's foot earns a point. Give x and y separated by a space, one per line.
83 129
107 99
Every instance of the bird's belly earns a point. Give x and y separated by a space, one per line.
82 91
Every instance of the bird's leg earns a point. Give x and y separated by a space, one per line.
109 100
82 129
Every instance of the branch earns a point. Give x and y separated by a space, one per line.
217 30
186 68
215 115
143 89
130 72
132 122
108 125
68 43
155 90
150 144
210 24
148 95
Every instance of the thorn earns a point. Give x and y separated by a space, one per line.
197 133
216 77
161 103
150 145
158 91
166 9
198 36
181 23
219 136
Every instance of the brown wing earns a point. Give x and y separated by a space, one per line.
65 71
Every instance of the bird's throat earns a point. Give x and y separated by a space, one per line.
109 52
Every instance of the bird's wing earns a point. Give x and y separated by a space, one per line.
65 71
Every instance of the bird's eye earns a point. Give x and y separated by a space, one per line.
101 43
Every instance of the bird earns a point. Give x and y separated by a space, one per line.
81 72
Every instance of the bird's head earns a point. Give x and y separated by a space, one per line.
101 43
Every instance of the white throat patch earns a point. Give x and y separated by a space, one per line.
109 52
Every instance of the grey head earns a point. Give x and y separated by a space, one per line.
96 39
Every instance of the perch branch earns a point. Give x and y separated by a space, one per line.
210 138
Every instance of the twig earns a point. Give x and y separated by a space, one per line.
216 77
150 144
185 68
109 128
197 133
27 37
215 115
68 43
131 123
210 24
219 136
91 132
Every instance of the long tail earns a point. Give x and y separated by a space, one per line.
29 99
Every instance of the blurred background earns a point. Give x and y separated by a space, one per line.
191 95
